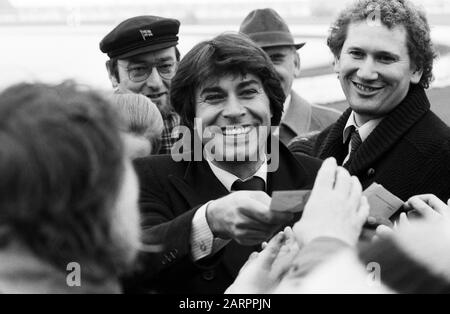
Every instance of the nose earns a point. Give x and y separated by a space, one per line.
233 109
367 70
154 80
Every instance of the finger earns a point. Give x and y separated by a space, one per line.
355 192
259 196
290 239
363 210
343 183
270 253
264 245
418 204
250 259
403 220
326 175
434 202
384 232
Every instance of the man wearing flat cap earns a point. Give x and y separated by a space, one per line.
271 33
143 60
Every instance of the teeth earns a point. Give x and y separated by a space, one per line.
365 88
237 130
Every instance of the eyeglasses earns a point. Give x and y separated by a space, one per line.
140 72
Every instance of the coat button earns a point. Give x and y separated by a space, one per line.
371 172
209 275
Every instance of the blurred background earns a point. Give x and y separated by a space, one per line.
52 40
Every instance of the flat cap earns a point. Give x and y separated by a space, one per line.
139 35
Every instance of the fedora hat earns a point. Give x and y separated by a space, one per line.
266 28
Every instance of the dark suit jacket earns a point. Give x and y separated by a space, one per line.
171 192
408 152
303 118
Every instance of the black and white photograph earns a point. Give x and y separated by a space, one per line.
225 155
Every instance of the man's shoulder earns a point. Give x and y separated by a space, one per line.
321 116
430 132
429 128
326 112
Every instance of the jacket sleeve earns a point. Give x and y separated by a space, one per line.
163 230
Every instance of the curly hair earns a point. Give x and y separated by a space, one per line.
228 53
392 13
61 164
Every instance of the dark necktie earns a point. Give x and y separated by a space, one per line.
355 141
252 184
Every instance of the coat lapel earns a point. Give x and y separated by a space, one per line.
391 130
199 184
290 174
332 145
382 139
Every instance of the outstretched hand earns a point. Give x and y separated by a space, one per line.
336 207
263 271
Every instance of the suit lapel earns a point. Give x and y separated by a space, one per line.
290 174
199 184
332 145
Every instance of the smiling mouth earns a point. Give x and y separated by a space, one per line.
153 96
366 89
236 130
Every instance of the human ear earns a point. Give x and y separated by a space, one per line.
416 76
297 65
336 65
111 76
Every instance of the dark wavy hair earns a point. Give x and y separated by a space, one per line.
392 13
61 164
229 53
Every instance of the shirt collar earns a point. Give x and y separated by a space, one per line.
364 130
227 178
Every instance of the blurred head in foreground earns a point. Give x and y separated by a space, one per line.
68 193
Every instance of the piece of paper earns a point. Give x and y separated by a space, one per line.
383 204
289 201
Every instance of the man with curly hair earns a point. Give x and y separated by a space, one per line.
384 60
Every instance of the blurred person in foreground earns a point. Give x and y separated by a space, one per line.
143 59
384 60
210 211
68 192
268 29
141 123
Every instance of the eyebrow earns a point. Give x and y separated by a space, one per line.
381 52
247 83
139 60
214 89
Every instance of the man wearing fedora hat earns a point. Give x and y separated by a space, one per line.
271 33
143 60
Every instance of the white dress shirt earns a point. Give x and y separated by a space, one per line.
364 131
203 242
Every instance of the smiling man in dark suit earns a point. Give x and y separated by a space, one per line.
209 214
